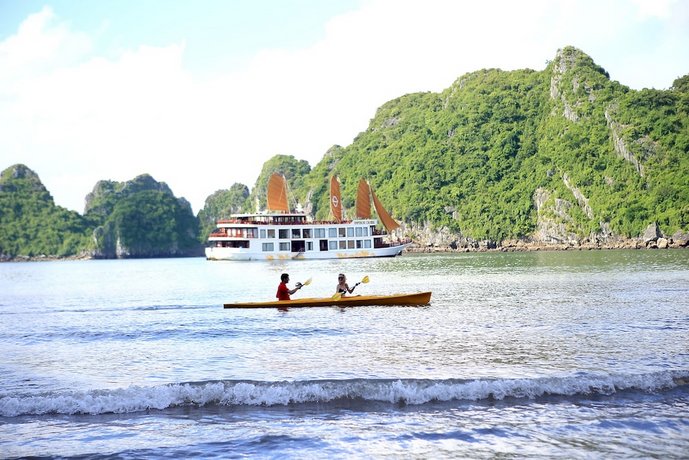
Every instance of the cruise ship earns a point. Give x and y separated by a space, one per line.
279 234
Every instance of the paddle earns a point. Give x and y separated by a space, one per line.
305 283
338 295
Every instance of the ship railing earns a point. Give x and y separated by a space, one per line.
243 222
221 234
306 222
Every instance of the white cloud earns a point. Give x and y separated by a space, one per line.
76 116
39 46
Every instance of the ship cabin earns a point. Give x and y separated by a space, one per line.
296 234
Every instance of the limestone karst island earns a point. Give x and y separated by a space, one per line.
556 158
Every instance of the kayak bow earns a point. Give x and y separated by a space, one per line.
420 298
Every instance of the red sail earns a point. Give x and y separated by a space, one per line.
335 200
363 200
383 215
277 193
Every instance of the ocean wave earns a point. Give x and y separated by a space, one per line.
395 391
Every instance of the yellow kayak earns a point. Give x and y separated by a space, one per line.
420 298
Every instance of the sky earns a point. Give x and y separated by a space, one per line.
199 94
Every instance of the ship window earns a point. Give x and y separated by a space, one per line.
307 233
350 244
263 233
359 231
309 245
350 232
285 246
250 233
342 232
343 244
268 247
271 233
359 244
283 233
332 233
319 233
364 230
332 245
236 244
367 244
296 233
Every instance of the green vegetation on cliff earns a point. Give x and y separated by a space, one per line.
141 218
138 218
149 223
220 205
294 171
501 155
31 224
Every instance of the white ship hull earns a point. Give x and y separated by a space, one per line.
219 253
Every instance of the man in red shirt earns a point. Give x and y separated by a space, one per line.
283 291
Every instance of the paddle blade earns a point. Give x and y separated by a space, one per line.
364 279
307 282
337 296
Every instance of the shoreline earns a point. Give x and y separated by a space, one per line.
523 246
518 246
651 239
44 258
533 248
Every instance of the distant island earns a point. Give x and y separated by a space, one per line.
553 159
133 219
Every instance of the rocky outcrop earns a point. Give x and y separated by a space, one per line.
554 221
680 239
581 199
618 143
652 233
427 239
551 234
563 62
20 178
653 238
141 218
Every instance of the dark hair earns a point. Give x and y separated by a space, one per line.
284 277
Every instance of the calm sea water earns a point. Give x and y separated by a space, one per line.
554 354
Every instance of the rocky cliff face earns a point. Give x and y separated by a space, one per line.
427 238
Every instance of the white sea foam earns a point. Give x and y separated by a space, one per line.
407 391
